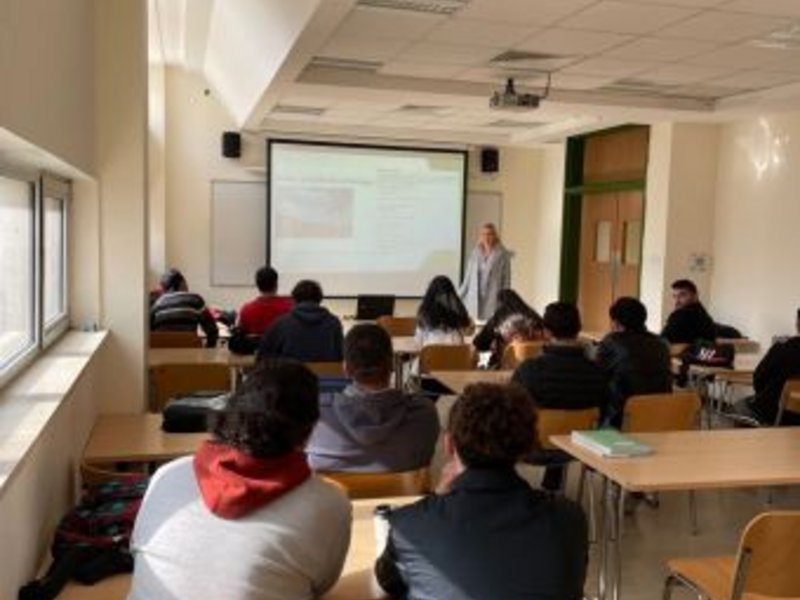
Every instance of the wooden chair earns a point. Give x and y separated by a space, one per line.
175 339
398 326
327 369
380 485
443 357
657 413
172 380
765 565
789 401
518 352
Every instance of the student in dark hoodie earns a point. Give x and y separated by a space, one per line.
309 333
372 426
242 519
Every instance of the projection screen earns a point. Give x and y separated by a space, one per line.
365 219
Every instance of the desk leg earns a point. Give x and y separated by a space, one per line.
610 576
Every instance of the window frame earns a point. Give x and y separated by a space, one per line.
58 188
43 335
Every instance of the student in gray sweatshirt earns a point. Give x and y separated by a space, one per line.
370 426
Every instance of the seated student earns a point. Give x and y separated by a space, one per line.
563 377
309 332
509 304
487 534
780 363
442 317
637 361
256 316
689 322
177 309
372 426
243 518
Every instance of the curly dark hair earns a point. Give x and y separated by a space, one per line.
493 425
441 308
273 412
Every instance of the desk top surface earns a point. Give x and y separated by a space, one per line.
715 459
458 380
137 438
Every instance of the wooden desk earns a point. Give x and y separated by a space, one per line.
137 438
357 581
197 356
458 380
742 345
686 460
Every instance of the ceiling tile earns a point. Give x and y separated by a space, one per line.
658 49
609 67
455 54
625 17
527 12
680 74
690 3
781 8
723 27
742 56
757 79
708 91
379 49
572 42
568 81
388 23
410 69
480 33
789 64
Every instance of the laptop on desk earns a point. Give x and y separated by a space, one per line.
370 307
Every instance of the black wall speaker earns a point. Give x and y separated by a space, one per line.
231 144
490 160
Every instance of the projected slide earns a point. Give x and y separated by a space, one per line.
365 219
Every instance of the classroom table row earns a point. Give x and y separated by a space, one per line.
720 459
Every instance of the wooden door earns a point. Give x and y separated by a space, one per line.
596 277
610 253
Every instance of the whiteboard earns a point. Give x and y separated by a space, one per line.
482 207
238 231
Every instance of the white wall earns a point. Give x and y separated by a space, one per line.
754 282
156 171
530 181
46 75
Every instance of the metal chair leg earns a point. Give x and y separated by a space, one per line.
592 507
669 584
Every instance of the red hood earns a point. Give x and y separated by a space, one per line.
234 484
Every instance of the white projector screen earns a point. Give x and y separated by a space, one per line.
365 219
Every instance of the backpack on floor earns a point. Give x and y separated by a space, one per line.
92 541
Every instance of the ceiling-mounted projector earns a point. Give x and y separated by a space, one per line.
509 99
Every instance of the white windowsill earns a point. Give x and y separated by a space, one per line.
29 401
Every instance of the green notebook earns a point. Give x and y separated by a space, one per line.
610 442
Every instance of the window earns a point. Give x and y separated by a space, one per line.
54 252
18 268
33 267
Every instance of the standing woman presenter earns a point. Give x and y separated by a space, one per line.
488 272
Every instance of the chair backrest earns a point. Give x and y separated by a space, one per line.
327 369
172 380
175 339
518 352
398 326
553 421
768 556
790 399
653 413
444 357
381 485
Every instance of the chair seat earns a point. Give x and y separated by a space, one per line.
712 575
